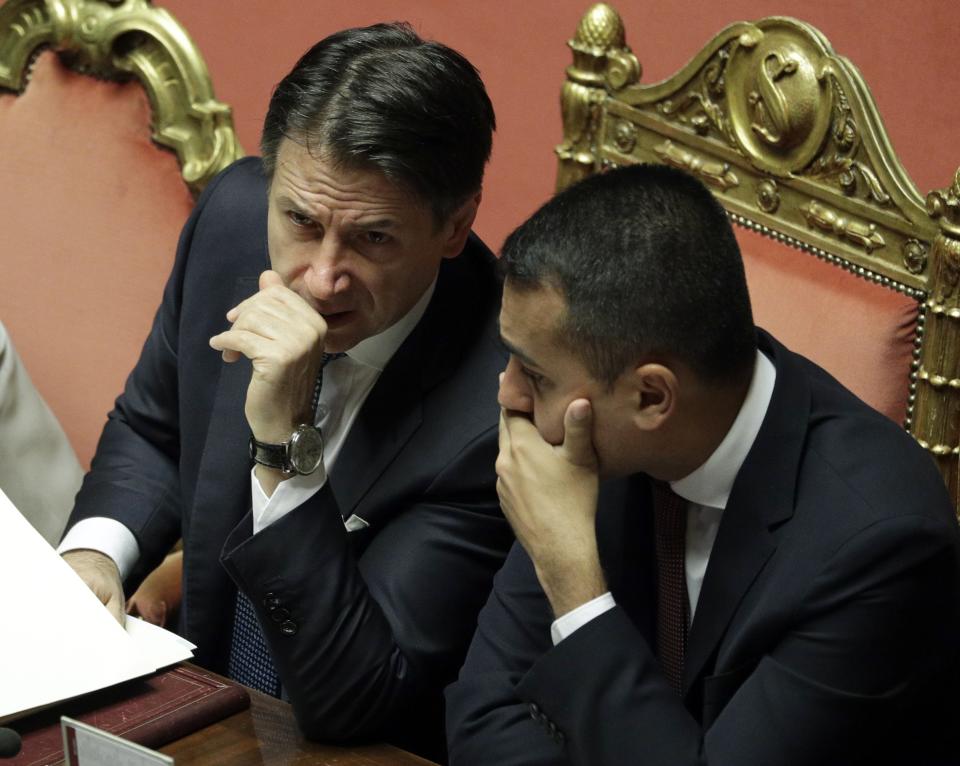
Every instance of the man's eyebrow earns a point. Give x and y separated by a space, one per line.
378 225
286 201
518 353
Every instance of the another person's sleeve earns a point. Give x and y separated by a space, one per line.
39 470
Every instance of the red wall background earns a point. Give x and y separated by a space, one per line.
905 50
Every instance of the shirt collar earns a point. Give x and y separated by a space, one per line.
378 349
710 484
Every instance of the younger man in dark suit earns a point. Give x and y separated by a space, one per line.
339 279
772 574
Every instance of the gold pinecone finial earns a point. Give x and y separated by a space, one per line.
601 28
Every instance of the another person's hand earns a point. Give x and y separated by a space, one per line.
549 495
160 593
100 573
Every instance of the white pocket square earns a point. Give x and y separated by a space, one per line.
355 523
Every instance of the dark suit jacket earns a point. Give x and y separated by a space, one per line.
826 632
383 616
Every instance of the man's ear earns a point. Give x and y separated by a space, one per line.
457 228
655 393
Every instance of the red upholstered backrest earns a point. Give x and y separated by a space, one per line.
91 213
861 332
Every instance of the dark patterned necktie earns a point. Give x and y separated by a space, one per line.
327 358
673 606
250 662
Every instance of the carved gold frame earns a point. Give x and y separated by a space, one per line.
788 137
117 39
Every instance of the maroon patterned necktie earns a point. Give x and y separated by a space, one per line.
673 606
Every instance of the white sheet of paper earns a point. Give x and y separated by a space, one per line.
160 646
56 639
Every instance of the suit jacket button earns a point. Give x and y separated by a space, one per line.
534 711
279 615
288 627
271 602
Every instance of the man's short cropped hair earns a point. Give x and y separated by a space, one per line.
650 270
381 97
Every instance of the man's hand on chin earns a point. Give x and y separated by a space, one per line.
101 575
549 496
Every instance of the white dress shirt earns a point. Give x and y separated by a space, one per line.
347 382
706 489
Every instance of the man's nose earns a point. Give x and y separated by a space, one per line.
328 274
514 391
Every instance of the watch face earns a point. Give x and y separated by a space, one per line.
306 450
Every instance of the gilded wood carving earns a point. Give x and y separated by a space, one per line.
120 39
787 135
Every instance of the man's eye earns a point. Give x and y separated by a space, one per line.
536 380
299 219
376 237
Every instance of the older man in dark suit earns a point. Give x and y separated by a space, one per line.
339 280
772 573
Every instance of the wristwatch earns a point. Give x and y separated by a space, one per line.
302 453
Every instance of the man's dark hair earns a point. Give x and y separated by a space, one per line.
380 97
648 265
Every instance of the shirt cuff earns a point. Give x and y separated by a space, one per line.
563 626
289 494
109 537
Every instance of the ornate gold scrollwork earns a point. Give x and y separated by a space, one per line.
772 113
778 98
625 136
115 39
944 206
832 221
600 58
914 256
702 105
947 251
837 158
712 172
768 196
623 69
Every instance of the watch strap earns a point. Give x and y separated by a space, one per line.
271 455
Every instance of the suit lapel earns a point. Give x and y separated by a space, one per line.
625 542
761 498
742 547
222 493
394 409
385 423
